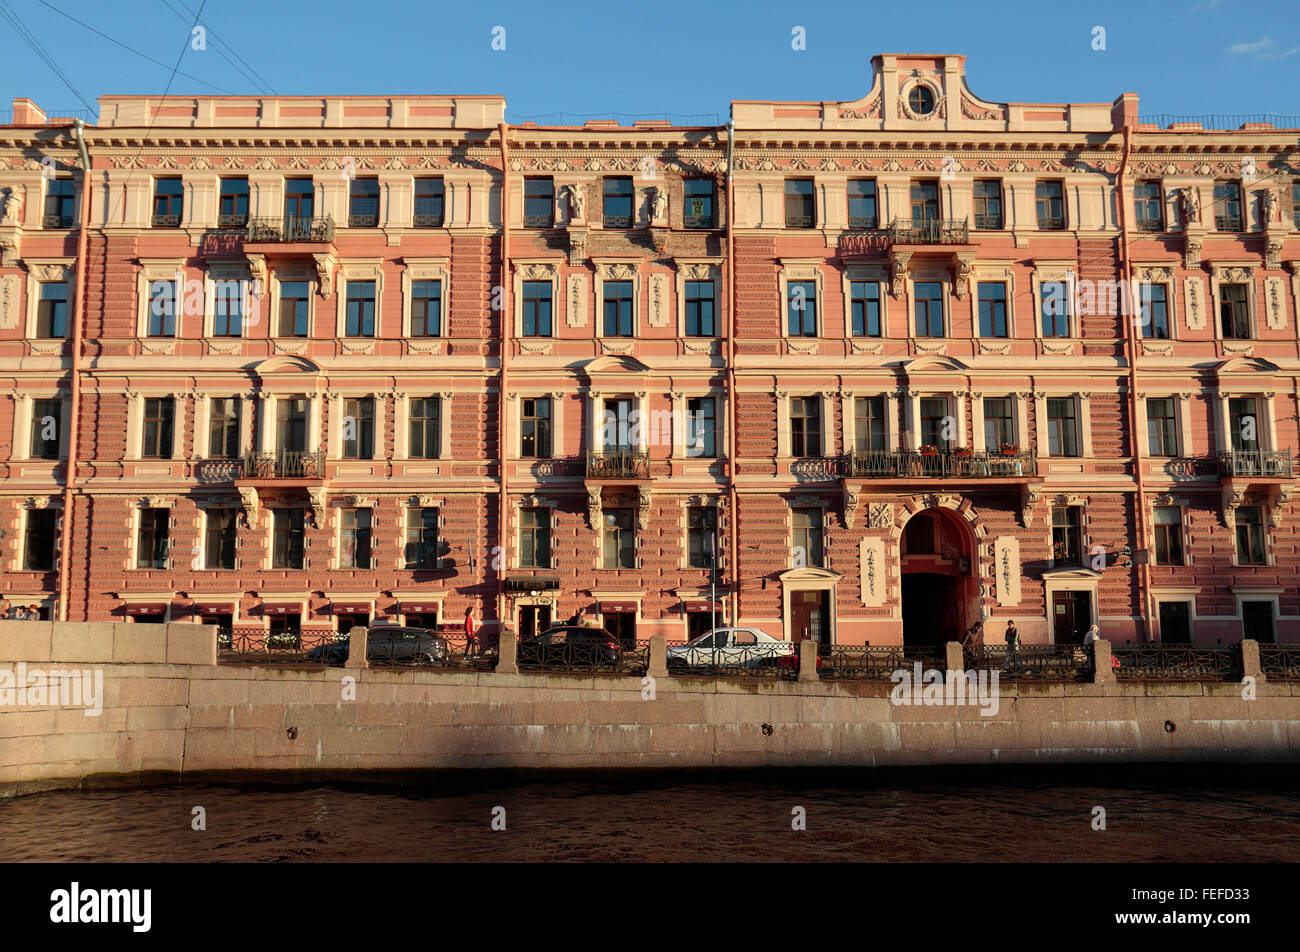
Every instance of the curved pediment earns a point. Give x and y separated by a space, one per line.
1245 365
934 364
285 364
615 362
809 573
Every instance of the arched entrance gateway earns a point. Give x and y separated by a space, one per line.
940 577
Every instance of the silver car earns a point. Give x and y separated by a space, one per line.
731 648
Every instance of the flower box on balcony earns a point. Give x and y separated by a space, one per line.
1008 449
961 451
929 451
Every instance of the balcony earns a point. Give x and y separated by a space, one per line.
428 220
284 464
698 221
56 221
1051 224
942 464
232 221
906 232
167 221
290 230
1227 223
988 222
618 464
617 221
1270 464
538 221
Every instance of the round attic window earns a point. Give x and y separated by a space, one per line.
920 100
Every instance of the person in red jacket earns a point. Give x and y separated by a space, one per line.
471 642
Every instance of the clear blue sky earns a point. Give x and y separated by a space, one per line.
592 58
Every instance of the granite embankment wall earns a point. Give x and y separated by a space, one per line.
171 712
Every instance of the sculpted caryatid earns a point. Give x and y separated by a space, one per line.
11 205
659 205
577 203
1191 204
1270 207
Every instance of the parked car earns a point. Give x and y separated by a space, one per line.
730 647
388 643
570 645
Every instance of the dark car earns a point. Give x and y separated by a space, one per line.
570 646
389 644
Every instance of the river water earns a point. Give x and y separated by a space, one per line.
1209 813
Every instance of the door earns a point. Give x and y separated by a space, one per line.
1257 621
622 625
1175 623
298 208
810 616
1071 617
533 620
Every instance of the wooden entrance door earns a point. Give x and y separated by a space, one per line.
1175 623
1071 617
810 616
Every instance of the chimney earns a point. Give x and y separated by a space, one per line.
27 113
1124 111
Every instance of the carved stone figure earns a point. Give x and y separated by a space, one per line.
1271 207
658 205
11 206
577 202
1191 197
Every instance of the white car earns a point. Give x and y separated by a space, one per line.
731 647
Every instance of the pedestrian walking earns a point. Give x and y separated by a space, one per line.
471 642
1012 637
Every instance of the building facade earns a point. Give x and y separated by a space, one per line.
867 371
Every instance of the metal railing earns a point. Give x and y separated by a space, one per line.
233 221
929 231
1256 463
218 470
259 646
988 222
1032 662
284 465
167 221
428 221
617 221
1280 662
538 221
582 657
1177 662
1227 223
876 662
363 220
1221 121
777 660
941 464
1046 223
698 221
864 222
56 221
618 465
1149 224
290 228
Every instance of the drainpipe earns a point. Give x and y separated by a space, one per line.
74 389
1130 337
503 430
733 616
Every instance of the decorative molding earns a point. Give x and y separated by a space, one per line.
156 502
850 506
576 300
880 515
326 264
872 562
1274 307
593 509
1006 569
1194 291
659 300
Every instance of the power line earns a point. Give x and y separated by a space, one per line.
217 40
30 39
232 50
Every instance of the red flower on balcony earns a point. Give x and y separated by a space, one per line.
929 451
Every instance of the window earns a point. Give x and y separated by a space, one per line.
1162 426
697 196
220 546
59 203
359 428
999 424
286 548
363 203
1147 207
361 309
422 539
227 308
539 202
291 424
1234 318
232 208
1049 198
1295 203
425 428
617 197
618 308
299 201
1243 424
1155 311
988 203
39 540
920 100
1169 535
864 308
805 426
294 302
925 202
619 540
535 538
52 310
808 537
152 539
617 426
801 308
869 424
162 308
1250 536
1227 206
993 309
426 308
168 202
799 204
701 530
1055 300
429 200
157 436
354 539
699 309
223 428
537 308
701 427
928 306
535 428
1062 427
1067 534
936 422
47 419
862 204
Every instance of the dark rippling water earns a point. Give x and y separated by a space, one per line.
1212 813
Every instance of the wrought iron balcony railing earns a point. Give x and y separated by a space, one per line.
1150 224
929 231
290 228
233 221
988 222
617 221
941 464
285 464
538 221
1051 224
56 221
167 221
363 220
430 220
1256 463
1227 223
798 221
864 221
698 221
618 464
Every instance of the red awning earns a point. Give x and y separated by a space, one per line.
350 608
215 608
607 608
285 608
703 606
146 608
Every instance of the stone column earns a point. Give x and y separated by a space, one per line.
508 652
658 660
1250 667
1102 673
357 657
808 660
956 661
